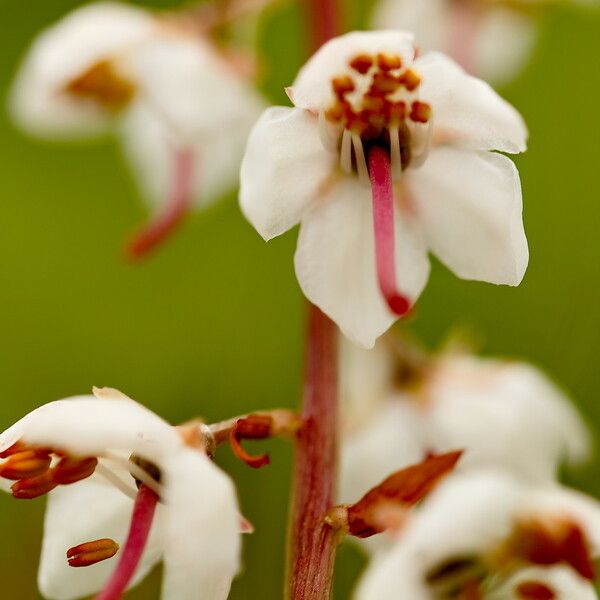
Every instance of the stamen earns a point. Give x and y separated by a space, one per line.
113 478
359 155
346 152
395 152
328 141
139 531
70 470
535 590
136 471
27 489
91 553
253 427
155 232
424 135
383 224
25 465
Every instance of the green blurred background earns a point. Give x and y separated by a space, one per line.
212 324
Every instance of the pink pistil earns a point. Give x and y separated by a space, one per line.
157 230
380 172
139 530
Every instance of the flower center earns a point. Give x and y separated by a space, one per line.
104 84
377 103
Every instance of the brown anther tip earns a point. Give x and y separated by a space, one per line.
34 487
410 80
337 518
17 447
25 465
388 62
91 553
420 112
70 470
534 590
342 85
361 63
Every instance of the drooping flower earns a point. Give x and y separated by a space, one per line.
87 453
181 108
489 38
486 537
367 107
504 414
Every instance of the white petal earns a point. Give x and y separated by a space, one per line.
312 88
562 580
495 60
63 52
284 168
505 414
470 207
83 512
365 381
192 89
467 110
335 262
387 442
88 426
202 543
427 19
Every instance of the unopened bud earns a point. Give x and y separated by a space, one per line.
91 553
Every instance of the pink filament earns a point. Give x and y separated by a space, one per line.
157 230
380 172
139 530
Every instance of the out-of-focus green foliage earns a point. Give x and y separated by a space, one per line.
212 324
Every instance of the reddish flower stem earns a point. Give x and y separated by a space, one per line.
324 20
312 542
139 530
158 229
380 172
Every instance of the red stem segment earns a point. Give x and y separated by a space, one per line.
324 21
312 541
157 230
380 172
139 530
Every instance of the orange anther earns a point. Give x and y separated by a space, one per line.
27 489
24 465
410 80
335 113
535 590
388 62
342 85
397 112
420 112
91 553
70 470
252 427
16 447
361 63
383 84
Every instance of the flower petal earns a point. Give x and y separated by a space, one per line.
467 110
65 51
283 171
504 414
335 262
312 88
87 511
202 533
470 207
89 426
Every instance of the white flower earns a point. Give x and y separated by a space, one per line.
495 538
196 527
504 414
182 110
360 96
472 32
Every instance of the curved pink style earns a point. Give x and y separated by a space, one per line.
139 530
157 230
380 173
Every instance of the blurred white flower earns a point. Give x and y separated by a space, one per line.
487 537
504 414
489 38
181 108
360 98
89 450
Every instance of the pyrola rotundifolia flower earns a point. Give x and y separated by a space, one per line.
368 107
485 537
490 38
504 414
184 112
87 453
